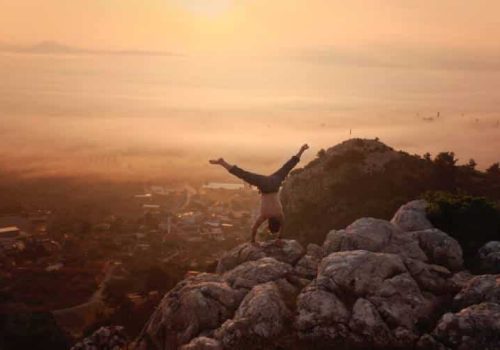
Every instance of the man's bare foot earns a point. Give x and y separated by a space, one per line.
216 161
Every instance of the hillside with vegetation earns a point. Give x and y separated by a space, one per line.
360 177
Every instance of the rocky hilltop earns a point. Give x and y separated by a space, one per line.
362 177
376 284
355 178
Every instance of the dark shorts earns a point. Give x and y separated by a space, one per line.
266 184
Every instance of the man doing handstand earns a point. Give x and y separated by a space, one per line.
270 208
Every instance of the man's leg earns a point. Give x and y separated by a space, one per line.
250 178
282 172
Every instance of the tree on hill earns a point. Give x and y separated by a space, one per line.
445 171
472 221
494 170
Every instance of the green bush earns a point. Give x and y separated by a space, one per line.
471 220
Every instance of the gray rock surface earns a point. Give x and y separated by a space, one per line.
387 303
489 256
369 286
251 273
203 343
307 266
260 319
432 278
196 305
483 288
112 337
412 216
374 235
475 325
288 251
333 241
440 248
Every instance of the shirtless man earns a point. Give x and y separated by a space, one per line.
270 208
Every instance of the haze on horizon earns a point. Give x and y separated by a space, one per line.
131 89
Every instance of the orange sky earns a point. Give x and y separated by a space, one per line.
248 25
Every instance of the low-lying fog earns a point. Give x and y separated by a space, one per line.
144 117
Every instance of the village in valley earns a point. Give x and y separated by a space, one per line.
101 268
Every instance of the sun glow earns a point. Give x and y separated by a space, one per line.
208 8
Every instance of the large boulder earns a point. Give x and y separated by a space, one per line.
435 279
322 317
440 248
195 307
489 257
375 235
412 216
333 241
259 321
112 337
307 266
203 343
287 251
387 303
475 327
484 288
251 273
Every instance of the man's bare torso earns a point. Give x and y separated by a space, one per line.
270 205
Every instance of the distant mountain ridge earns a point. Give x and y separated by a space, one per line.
56 48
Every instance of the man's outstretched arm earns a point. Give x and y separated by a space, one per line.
256 226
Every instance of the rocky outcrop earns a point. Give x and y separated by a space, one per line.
412 216
287 251
202 343
475 325
113 338
195 307
356 178
371 299
376 235
440 248
251 296
260 320
489 257
479 289
307 266
372 285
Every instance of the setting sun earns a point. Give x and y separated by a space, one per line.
210 8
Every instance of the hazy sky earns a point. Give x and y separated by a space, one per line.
207 25
250 80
